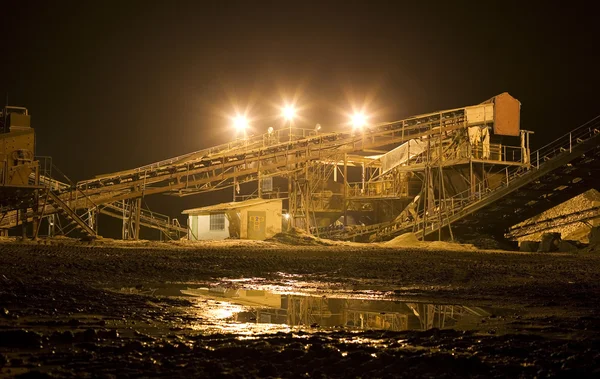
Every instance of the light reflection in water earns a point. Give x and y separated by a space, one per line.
247 311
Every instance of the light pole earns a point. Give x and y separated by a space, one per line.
359 121
288 112
240 123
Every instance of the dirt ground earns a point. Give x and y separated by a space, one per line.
74 309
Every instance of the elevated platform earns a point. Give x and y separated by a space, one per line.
559 171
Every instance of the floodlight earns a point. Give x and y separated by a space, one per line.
359 120
240 123
289 112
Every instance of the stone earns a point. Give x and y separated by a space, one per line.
594 235
549 242
567 246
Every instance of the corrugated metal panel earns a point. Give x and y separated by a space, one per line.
229 206
480 114
508 113
401 154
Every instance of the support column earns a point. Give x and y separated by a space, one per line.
290 191
125 231
259 179
234 186
36 216
472 178
92 220
51 225
131 218
345 202
362 165
136 220
290 212
307 196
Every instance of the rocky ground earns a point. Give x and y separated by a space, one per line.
63 311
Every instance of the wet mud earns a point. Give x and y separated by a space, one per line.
270 310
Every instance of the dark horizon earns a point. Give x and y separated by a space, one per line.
112 86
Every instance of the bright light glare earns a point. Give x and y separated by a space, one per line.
286 216
289 112
240 123
359 120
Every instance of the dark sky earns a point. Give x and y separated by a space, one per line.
114 85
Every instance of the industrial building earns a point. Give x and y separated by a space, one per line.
254 219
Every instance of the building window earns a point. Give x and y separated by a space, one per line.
267 184
217 221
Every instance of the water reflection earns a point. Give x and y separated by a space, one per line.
265 307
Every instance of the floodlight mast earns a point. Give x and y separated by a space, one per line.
288 112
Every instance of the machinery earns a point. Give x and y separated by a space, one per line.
426 174
19 170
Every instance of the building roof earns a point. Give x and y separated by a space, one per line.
228 206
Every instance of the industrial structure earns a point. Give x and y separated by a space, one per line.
460 170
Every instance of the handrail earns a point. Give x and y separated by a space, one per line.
566 135
547 152
451 206
157 219
250 142
390 132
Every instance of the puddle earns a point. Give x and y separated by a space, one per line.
234 308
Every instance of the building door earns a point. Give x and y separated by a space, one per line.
256 225
193 231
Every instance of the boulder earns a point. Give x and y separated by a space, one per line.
549 242
594 235
567 246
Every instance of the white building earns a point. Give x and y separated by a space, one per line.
255 219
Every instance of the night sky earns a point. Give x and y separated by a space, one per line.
114 85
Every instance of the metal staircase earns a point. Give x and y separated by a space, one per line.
51 205
76 222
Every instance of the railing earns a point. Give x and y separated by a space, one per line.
566 142
383 188
377 135
382 133
249 143
443 210
496 153
439 213
45 164
157 219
